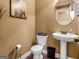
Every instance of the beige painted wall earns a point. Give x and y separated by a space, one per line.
14 30
45 22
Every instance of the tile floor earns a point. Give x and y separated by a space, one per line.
45 57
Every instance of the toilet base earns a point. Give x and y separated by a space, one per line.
39 56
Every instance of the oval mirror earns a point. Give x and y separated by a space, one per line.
64 14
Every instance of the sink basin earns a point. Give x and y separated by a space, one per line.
65 37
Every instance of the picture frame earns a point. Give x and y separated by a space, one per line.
18 9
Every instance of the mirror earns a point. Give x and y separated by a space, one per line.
64 14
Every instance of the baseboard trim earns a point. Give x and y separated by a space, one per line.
25 55
45 52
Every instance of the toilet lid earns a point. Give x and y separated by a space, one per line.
37 48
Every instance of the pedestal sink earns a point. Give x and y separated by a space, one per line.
64 38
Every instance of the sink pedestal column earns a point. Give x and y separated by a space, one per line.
63 50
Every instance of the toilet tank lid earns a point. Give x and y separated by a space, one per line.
42 34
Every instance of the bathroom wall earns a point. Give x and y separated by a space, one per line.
78 42
46 22
14 30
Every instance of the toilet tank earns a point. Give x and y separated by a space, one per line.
42 38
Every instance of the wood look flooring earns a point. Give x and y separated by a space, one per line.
44 57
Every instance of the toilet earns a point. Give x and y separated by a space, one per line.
37 49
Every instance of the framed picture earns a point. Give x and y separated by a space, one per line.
18 9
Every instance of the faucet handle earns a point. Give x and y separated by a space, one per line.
76 40
70 31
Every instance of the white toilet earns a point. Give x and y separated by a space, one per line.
37 49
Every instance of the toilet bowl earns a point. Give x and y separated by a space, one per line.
37 51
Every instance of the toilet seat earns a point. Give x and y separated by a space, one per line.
37 48
37 51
